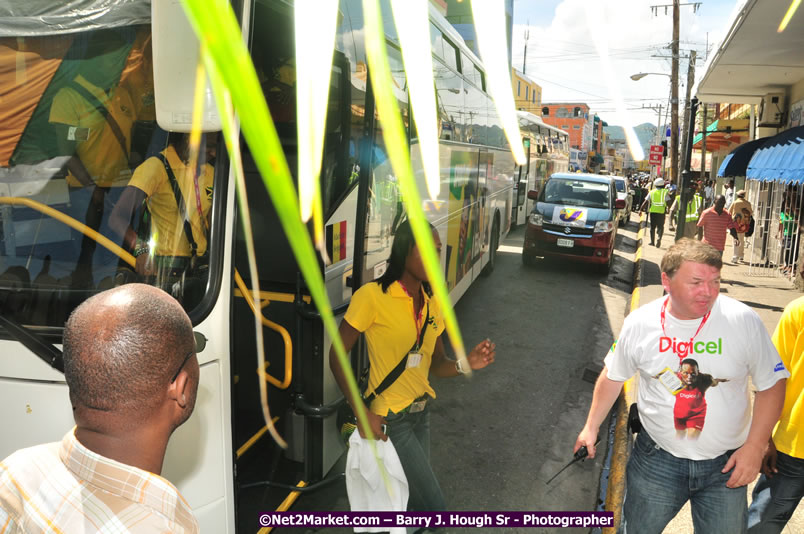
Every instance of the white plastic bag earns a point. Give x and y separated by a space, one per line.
364 483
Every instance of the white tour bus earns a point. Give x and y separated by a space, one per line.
222 460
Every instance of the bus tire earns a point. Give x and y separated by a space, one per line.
495 242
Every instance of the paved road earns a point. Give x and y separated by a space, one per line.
500 435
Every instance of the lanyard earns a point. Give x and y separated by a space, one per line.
416 319
663 318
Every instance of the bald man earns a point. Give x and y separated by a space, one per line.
132 372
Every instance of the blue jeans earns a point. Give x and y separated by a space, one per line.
775 499
410 434
658 484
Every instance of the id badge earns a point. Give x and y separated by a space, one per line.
414 359
670 381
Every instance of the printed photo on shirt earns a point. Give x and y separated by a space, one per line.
689 413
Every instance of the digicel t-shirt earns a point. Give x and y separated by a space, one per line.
712 414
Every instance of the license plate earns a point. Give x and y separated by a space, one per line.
565 242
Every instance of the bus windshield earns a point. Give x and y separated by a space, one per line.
93 194
576 192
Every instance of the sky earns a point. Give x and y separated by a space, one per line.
565 37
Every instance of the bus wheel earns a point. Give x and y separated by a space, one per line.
495 241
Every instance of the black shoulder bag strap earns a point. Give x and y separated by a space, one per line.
103 110
397 371
174 185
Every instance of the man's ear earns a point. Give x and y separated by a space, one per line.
666 283
179 389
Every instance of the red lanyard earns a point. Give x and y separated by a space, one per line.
416 318
700 326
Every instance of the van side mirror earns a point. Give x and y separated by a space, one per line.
533 194
619 204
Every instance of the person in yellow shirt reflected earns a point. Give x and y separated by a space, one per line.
402 324
178 202
92 120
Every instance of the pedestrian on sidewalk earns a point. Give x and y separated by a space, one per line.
655 205
710 465
709 194
781 485
788 234
741 211
716 223
694 208
729 193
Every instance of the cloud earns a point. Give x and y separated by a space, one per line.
562 57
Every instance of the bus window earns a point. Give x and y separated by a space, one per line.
450 55
449 103
79 136
481 79
436 42
468 70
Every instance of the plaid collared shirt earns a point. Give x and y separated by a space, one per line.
66 488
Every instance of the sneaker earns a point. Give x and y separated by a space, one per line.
734 259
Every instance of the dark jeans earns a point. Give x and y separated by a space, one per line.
658 484
410 434
656 221
775 499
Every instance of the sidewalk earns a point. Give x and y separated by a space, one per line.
766 295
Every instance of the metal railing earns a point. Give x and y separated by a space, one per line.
773 249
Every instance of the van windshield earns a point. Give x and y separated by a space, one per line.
576 193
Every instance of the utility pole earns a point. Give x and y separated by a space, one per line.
525 59
674 98
690 81
684 192
703 145
674 82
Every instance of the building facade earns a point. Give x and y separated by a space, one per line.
574 119
527 93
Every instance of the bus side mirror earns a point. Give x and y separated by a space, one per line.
533 194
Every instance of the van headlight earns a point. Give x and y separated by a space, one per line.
604 226
536 219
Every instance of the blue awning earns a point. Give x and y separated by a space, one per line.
781 158
736 163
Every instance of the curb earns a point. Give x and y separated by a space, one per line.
612 480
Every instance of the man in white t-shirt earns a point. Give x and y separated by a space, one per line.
702 447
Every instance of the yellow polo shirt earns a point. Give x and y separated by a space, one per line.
788 436
101 153
167 227
386 320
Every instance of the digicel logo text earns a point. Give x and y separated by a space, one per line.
683 348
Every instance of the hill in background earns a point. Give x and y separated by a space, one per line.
646 133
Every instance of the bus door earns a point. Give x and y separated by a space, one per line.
482 212
520 214
302 394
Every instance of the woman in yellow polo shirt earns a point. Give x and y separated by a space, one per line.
399 318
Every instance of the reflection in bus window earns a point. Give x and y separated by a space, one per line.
72 135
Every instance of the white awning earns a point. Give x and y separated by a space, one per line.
754 59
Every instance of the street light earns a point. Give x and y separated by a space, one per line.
637 77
